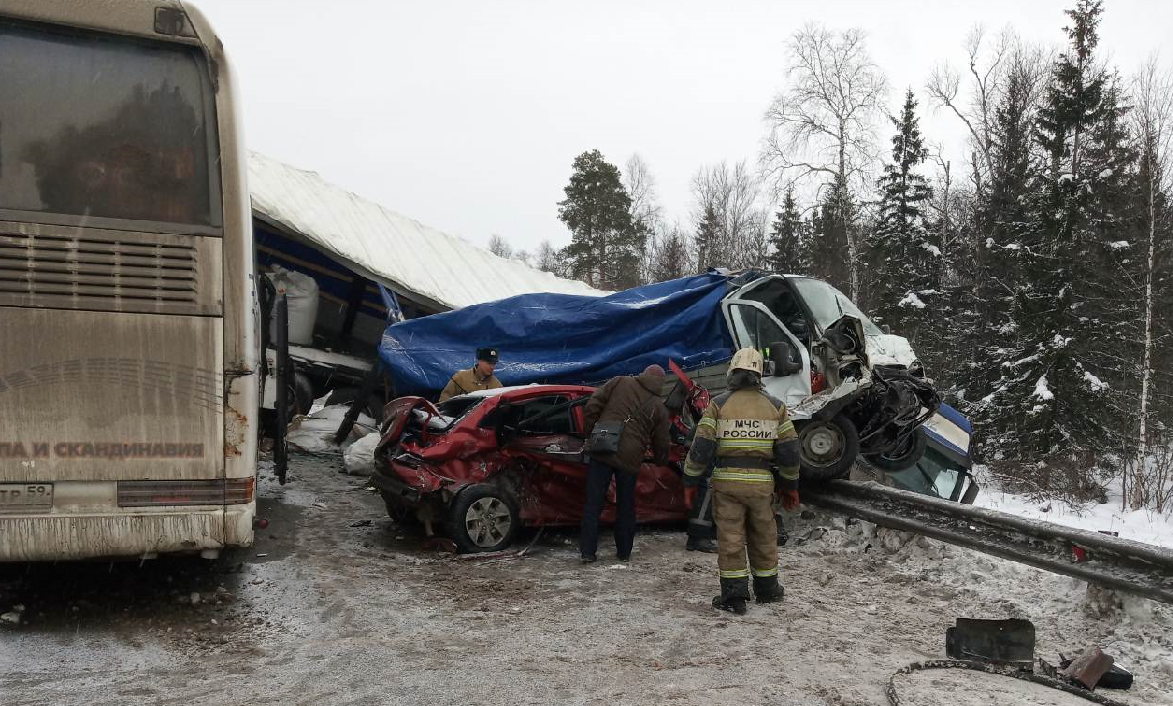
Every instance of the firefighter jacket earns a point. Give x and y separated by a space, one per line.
747 436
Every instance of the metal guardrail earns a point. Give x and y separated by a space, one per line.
1121 564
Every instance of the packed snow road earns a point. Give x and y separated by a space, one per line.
337 605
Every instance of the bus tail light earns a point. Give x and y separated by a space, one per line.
149 493
238 491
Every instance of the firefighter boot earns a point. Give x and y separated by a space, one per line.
766 589
701 544
734 594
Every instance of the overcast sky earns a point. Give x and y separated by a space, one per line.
467 115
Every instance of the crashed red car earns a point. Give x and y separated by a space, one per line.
480 466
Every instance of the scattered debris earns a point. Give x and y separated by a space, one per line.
1088 667
1008 642
359 457
194 598
262 555
262 523
362 523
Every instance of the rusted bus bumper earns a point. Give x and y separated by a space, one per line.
52 537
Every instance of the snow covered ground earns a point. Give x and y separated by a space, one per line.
338 605
1138 525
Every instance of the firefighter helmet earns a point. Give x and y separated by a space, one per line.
747 359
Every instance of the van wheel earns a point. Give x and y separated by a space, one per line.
905 455
483 518
829 448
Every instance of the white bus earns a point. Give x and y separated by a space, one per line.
128 358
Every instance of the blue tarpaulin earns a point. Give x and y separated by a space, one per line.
565 339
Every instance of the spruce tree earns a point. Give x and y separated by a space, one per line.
789 242
1056 400
709 248
606 245
831 225
906 265
1002 218
670 258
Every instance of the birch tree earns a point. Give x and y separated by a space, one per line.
1152 119
730 220
823 125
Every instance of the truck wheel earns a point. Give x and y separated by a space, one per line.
829 448
905 456
483 518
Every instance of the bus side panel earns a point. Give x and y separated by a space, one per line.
109 396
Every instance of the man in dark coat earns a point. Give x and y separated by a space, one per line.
635 403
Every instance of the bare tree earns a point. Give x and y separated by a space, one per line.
730 196
641 187
522 256
823 125
499 247
1152 118
989 63
646 212
545 258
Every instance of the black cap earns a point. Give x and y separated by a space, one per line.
489 355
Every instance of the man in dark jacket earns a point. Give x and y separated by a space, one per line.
635 403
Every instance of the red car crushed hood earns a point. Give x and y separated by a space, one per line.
521 448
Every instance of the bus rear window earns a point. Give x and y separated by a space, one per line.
102 126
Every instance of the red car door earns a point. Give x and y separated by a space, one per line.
544 435
554 480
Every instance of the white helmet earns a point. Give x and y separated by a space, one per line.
747 359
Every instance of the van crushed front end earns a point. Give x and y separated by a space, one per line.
885 402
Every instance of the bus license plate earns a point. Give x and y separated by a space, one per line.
25 497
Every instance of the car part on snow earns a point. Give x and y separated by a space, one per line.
828 448
1008 642
1001 670
1116 677
1128 566
483 518
1088 668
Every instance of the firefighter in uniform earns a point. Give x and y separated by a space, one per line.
479 377
746 436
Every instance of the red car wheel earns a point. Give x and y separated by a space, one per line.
483 518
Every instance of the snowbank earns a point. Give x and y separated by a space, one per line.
1138 525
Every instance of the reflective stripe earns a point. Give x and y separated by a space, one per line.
690 470
765 573
787 428
735 574
707 422
740 444
742 475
